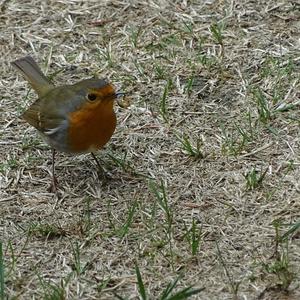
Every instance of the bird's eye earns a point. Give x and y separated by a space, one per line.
92 97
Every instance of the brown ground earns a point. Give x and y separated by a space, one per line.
223 74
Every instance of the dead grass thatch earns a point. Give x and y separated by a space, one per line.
204 164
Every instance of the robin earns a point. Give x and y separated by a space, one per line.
76 118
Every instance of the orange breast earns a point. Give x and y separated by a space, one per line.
90 128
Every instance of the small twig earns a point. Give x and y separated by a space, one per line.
258 150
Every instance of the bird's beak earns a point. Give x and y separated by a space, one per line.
120 94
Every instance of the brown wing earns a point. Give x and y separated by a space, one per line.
42 119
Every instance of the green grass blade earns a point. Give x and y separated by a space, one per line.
170 287
185 293
120 297
292 230
182 294
140 283
125 228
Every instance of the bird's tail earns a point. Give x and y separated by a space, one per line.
33 74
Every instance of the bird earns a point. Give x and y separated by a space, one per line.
72 118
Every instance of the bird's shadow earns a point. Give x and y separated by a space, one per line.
76 175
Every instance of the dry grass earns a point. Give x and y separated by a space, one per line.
204 164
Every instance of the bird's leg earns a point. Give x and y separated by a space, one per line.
101 172
53 187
